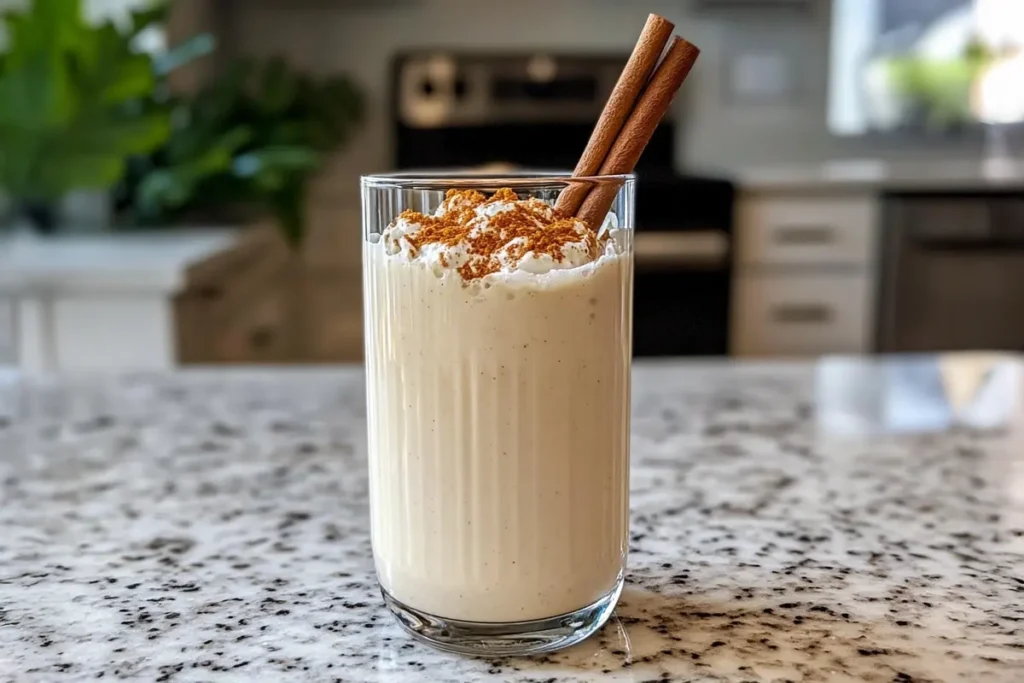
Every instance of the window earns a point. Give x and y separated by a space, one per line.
925 65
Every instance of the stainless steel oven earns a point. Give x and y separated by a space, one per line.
537 110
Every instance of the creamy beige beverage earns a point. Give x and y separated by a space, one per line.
497 354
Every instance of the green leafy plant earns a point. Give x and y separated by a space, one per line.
940 88
254 137
76 101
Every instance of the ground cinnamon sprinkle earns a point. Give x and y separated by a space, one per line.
532 224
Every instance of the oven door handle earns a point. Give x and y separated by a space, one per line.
698 248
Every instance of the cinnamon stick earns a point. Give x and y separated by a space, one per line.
639 127
616 110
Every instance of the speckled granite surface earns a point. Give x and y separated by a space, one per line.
213 527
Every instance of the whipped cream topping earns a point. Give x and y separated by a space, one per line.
477 236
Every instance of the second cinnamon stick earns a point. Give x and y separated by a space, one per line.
639 127
616 111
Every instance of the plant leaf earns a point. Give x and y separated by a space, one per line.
289 208
138 135
132 78
18 153
50 27
166 188
112 72
172 187
271 168
36 94
254 136
279 87
184 53
156 14
79 172
289 158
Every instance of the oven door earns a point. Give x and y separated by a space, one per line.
951 275
682 287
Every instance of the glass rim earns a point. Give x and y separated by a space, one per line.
468 179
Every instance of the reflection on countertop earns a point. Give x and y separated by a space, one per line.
918 393
214 524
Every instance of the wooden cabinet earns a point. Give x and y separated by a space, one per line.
256 329
259 303
805 274
334 320
222 313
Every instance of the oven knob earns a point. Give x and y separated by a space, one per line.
460 88
427 87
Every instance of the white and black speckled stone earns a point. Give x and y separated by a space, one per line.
213 527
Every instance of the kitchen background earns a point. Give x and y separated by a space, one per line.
836 177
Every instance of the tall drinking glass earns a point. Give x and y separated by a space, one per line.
498 392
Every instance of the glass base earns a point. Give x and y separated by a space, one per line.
505 639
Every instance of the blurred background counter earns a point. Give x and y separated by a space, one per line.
838 176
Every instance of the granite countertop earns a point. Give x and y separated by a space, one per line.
844 520
877 175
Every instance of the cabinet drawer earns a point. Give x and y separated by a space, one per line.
212 314
257 330
807 231
334 320
783 315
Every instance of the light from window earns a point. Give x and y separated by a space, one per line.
925 65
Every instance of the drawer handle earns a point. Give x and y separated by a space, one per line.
802 313
804 234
